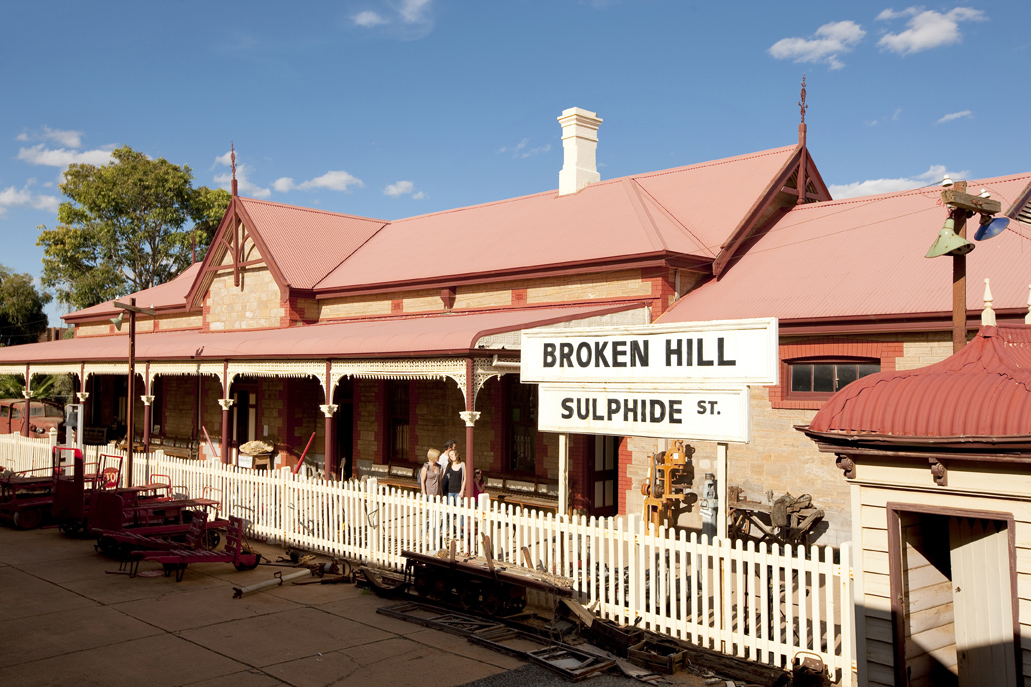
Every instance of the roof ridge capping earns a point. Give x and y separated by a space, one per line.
921 190
606 182
315 210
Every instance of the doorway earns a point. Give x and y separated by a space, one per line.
604 476
952 589
344 398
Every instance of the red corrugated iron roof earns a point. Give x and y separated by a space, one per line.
436 334
984 390
687 211
863 257
308 244
171 294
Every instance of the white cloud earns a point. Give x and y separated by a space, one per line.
523 149
872 187
409 14
414 11
244 184
71 139
829 41
964 114
284 184
23 197
926 29
399 189
368 19
333 180
403 188
61 157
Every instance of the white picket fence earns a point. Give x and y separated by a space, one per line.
764 603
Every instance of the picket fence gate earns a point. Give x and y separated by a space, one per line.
760 602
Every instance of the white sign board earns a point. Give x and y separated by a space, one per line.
634 410
722 353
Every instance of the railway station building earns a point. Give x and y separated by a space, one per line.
365 342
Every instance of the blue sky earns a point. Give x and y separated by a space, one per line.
396 108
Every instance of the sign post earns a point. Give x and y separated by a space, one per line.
674 381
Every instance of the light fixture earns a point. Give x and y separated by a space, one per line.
946 181
991 227
949 242
117 321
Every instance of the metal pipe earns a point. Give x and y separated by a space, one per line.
277 581
300 460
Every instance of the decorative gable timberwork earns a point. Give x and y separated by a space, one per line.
243 294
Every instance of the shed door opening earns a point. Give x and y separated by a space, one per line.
957 625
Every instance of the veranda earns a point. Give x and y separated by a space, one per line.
760 602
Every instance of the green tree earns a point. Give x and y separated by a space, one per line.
126 227
22 319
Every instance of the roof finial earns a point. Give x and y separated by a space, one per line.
1027 317
232 163
801 103
987 315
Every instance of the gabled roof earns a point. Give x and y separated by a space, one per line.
299 245
307 244
984 390
168 296
863 258
685 213
688 211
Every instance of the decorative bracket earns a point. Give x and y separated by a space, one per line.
226 403
82 396
328 409
846 465
939 472
470 417
147 400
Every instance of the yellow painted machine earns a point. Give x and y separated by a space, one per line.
667 492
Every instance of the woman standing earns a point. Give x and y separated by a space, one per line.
454 479
430 476
431 483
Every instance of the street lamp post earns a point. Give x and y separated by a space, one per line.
130 404
952 241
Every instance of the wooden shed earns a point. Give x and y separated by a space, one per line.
939 464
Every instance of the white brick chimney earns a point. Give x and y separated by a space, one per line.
580 146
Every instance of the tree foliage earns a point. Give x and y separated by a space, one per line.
127 226
22 319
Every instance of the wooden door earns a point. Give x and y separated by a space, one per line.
983 602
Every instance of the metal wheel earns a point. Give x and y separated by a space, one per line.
72 528
493 599
469 596
28 518
241 566
212 538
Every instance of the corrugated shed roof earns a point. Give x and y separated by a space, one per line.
436 334
984 390
170 294
307 244
863 257
689 211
